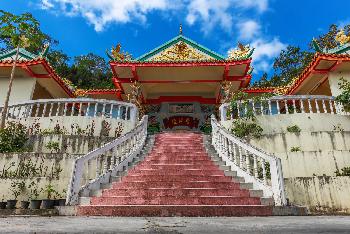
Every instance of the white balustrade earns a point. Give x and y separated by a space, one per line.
73 107
256 166
283 105
104 162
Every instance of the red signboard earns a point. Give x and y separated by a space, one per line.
175 121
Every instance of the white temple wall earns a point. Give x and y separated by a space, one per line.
320 193
334 80
322 146
22 89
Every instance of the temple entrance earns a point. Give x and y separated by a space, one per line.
179 116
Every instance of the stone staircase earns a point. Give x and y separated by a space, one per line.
180 176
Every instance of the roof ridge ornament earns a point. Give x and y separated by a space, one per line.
240 52
180 30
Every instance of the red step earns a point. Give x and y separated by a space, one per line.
177 178
175 192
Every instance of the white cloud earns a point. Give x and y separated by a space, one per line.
248 29
265 51
101 12
208 13
45 5
260 5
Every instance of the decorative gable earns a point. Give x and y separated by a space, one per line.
180 49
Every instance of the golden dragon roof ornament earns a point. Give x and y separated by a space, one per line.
180 52
241 52
342 38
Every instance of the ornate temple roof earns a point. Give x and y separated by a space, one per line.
36 66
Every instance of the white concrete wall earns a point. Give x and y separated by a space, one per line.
93 126
47 162
68 144
320 194
334 80
22 89
323 147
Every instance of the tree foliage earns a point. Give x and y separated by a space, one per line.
293 60
14 28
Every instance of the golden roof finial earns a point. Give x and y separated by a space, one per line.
180 29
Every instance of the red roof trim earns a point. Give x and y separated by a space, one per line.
312 68
40 61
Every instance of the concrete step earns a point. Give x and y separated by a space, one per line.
175 210
170 200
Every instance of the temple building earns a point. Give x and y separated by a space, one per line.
166 142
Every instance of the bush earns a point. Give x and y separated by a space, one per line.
13 137
345 172
344 97
244 129
294 129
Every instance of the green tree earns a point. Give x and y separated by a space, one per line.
18 31
91 71
293 60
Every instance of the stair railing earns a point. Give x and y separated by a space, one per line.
106 161
261 169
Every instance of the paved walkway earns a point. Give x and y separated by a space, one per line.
311 224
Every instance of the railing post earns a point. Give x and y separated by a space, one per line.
277 182
223 112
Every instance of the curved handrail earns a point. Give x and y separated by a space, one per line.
250 162
289 104
108 158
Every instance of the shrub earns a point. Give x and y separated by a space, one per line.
13 137
345 172
344 97
295 149
244 129
294 129
53 146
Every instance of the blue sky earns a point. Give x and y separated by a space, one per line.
83 26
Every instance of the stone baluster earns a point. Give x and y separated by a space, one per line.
105 163
309 105
98 166
72 109
234 153
111 110
324 106
87 109
51 109
103 110
95 110
331 106
294 107
65 109
286 106
256 174
37 110
240 157
263 171
270 107
317 106
302 106
247 161
19 111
